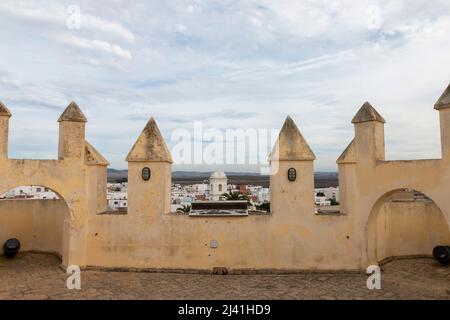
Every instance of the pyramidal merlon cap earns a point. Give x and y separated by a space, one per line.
367 113
291 145
4 110
92 156
150 146
349 154
444 100
72 113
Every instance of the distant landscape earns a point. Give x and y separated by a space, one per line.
321 179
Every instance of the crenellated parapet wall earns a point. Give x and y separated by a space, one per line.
366 179
291 237
78 176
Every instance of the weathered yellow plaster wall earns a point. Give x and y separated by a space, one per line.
256 242
408 228
38 224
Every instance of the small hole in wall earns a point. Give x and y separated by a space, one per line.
348 237
96 234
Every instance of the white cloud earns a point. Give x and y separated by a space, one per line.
99 24
178 60
52 14
98 45
55 13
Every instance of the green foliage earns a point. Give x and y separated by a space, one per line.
230 196
233 196
185 208
334 202
264 207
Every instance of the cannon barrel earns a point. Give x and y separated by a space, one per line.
11 247
442 254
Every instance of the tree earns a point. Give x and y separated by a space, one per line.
333 202
230 196
233 196
264 207
185 208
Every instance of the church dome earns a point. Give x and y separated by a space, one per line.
218 175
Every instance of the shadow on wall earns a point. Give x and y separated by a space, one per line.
405 223
38 220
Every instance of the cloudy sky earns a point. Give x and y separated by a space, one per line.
230 64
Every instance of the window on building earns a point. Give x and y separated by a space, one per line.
220 188
38 189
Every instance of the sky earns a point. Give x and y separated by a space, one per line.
229 64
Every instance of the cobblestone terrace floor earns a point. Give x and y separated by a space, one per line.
38 276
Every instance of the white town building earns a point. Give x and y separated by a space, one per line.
30 192
117 200
217 185
329 193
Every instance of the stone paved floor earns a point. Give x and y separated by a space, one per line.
38 276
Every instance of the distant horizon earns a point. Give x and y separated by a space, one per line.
209 171
321 179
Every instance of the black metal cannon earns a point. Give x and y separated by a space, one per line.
442 254
11 248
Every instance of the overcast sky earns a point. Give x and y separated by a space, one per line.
231 64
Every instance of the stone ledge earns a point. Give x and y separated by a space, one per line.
331 213
249 271
259 213
113 213
413 256
146 270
